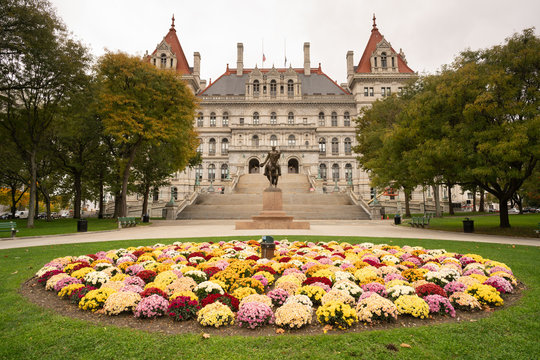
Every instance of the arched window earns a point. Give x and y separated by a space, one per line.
348 147
348 172
335 172
334 118
292 140
273 140
383 60
198 173
200 120
225 121
255 118
322 146
273 88
255 141
211 172
213 119
322 171
224 171
155 194
346 119
200 147
290 119
175 193
290 88
273 118
163 60
321 119
256 87
335 146
212 147
224 146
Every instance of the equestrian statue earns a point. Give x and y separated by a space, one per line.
272 171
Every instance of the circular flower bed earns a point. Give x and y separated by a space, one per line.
219 284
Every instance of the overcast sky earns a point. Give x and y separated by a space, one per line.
430 32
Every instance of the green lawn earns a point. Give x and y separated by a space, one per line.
521 225
59 226
30 332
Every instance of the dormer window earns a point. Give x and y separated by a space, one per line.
256 87
290 88
375 61
393 63
163 60
273 88
383 60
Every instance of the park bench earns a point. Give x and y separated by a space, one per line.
9 226
126 221
422 221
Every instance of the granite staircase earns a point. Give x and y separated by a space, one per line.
298 201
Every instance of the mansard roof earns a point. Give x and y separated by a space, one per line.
364 66
182 65
318 83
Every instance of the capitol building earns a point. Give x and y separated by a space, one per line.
303 112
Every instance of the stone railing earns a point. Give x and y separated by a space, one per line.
359 200
190 199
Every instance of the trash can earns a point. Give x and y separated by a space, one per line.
146 218
267 247
397 219
82 225
468 225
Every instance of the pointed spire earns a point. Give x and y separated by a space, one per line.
172 25
374 23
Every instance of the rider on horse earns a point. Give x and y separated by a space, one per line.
272 170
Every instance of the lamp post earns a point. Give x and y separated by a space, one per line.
211 188
336 187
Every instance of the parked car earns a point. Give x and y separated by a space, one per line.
513 211
21 214
42 215
5 216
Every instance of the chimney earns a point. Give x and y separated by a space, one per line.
307 64
240 61
196 64
350 66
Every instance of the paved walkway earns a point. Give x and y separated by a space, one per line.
161 229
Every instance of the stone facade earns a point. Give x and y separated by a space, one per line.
301 111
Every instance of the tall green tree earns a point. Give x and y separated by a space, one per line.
139 106
77 141
40 64
502 124
382 144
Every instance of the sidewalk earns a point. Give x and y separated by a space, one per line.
162 229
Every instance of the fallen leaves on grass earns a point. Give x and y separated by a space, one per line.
404 345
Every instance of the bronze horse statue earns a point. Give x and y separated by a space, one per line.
272 171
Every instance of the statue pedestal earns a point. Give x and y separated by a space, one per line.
272 216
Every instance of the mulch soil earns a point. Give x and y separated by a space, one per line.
36 293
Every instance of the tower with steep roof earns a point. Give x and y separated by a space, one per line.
169 55
380 72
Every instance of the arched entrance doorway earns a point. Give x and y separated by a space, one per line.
292 166
254 166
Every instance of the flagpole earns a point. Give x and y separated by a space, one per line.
263 57
285 51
